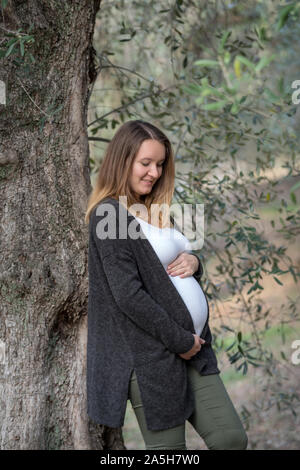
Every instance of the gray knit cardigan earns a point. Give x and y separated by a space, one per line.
137 320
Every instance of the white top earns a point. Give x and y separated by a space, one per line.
168 243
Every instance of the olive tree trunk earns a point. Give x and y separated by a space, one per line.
44 184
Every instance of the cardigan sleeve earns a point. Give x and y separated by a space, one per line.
128 291
197 274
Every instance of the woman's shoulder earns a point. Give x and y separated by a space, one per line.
108 200
106 205
112 202
111 220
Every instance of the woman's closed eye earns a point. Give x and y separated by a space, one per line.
146 164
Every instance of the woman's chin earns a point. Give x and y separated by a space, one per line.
145 191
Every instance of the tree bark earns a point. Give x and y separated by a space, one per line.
44 185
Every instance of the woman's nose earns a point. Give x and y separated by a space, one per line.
153 173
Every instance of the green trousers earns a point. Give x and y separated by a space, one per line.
214 418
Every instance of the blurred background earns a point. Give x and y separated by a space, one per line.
220 79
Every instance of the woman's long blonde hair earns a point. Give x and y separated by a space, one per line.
113 177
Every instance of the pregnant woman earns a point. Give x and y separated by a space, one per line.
149 339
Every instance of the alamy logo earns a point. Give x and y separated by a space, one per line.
192 227
2 93
295 358
296 93
2 352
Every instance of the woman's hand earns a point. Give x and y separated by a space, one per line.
197 346
184 265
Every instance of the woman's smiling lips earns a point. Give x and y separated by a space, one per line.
147 182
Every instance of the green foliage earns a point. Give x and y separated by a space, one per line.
292 9
18 44
4 4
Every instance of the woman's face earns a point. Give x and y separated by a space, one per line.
147 167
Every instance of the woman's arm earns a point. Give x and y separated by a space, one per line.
199 272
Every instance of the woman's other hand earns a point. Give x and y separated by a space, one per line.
184 265
196 348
